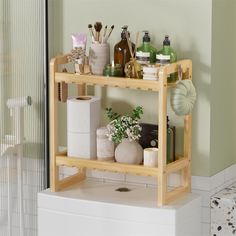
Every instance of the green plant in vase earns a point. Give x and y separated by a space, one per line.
125 130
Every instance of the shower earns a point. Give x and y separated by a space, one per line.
23 114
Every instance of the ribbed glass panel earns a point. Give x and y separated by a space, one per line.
21 75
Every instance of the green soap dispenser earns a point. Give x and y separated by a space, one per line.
166 56
146 53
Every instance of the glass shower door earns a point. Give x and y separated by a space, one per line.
22 114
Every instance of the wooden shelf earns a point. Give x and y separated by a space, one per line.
182 164
107 166
117 82
64 160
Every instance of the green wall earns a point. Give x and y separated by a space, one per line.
190 24
223 110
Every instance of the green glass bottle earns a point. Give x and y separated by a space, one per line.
170 142
166 56
146 53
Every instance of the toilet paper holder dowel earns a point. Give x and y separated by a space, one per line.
62 91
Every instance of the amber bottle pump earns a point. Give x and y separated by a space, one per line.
121 49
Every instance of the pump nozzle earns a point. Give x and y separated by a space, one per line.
146 37
125 29
166 42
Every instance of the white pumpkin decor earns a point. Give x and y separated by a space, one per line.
183 97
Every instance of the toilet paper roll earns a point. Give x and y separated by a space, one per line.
83 114
82 145
150 157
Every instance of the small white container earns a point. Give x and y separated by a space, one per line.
99 56
105 147
150 157
150 72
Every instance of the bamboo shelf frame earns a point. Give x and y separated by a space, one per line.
182 164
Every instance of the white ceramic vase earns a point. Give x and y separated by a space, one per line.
99 56
129 152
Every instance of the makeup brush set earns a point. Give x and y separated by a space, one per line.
99 50
97 34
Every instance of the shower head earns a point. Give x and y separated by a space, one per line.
19 102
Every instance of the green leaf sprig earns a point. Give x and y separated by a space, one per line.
124 126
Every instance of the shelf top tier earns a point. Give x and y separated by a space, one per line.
119 82
109 81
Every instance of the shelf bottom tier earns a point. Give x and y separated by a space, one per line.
64 160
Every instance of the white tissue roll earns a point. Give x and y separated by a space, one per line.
150 157
82 145
19 102
83 114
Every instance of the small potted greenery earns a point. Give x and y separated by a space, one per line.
125 130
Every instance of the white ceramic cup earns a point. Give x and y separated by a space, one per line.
99 56
150 157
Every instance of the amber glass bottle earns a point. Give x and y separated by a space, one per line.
121 49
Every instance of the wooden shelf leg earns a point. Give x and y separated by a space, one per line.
161 189
54 169
54 178
162 139
186 172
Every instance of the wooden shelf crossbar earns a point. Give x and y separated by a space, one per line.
161 173
107 166
64 160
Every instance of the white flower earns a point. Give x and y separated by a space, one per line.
123 127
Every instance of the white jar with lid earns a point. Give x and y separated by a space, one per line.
105 147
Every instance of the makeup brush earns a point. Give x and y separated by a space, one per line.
90 27
97 27
104 34
109 33
105 31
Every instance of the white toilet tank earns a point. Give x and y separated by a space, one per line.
94 208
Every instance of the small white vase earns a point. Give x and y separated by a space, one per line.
99 56
129 152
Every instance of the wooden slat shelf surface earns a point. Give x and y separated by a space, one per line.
107 166
109 81
64 160
120 82
182 164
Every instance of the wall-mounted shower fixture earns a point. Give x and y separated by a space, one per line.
15 147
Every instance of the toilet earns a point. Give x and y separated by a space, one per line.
98 208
